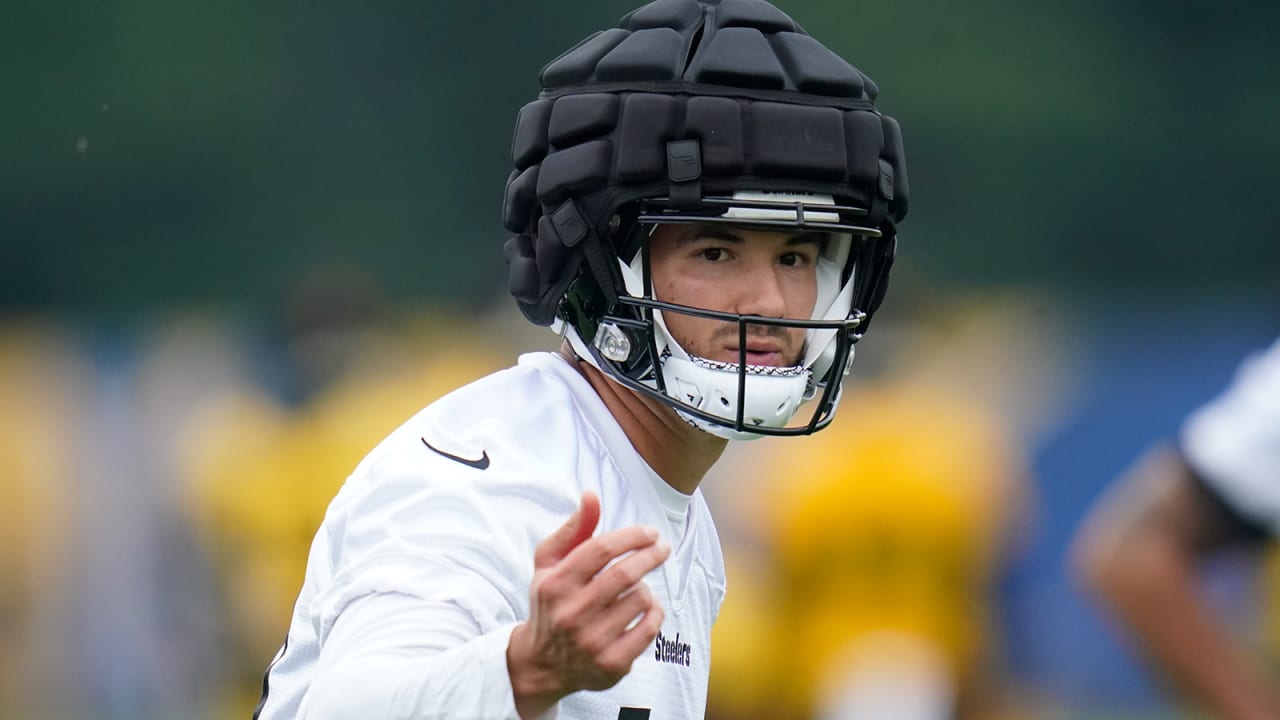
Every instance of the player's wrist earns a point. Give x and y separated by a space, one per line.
535 687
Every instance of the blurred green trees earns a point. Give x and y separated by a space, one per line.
154 154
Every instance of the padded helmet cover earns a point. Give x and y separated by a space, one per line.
762 105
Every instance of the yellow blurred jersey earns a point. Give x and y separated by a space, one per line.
42 393
888 523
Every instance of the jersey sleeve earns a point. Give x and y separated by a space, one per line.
1232 444
431 562
394 655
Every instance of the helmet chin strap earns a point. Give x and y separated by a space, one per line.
768 400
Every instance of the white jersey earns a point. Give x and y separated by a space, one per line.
1233 443
423 563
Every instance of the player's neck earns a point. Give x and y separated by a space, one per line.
680 453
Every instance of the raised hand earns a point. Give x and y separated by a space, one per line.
582 632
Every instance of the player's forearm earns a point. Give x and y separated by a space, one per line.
469 681
1152 586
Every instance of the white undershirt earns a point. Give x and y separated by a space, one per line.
674 502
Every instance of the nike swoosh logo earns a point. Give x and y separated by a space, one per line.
480 464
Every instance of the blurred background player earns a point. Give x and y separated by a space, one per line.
874 553
1143 548
42 390
890 534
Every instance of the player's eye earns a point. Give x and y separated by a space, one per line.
794 259
713 254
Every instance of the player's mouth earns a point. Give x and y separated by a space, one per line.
769 354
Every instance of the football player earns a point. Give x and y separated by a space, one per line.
1140 548
704 204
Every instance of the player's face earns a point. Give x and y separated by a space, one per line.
748 272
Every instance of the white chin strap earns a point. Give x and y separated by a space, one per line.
770 399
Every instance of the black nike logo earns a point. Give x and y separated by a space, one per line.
480 464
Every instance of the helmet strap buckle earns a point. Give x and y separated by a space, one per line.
684 171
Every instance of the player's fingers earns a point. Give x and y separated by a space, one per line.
633 641
584 561
627 572
601 635
615 618
571 534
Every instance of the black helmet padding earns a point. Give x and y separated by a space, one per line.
734 92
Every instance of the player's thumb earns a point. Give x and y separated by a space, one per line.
571 534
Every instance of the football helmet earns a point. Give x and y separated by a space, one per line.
703 112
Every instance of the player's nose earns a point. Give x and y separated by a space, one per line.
760 291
